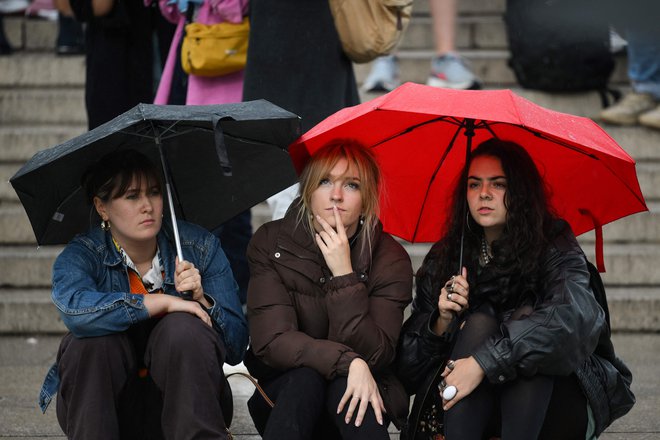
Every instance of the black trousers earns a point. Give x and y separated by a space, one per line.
102 395
306 408
535 407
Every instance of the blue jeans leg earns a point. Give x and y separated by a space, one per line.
644 59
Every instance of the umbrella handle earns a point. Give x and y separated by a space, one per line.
177 240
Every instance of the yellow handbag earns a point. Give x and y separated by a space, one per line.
215 49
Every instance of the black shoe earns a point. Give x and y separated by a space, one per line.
76 49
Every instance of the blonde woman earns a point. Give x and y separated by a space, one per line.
325 306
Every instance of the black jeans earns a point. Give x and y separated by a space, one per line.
102 395
306 408
536 407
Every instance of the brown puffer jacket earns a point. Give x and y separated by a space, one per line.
299 315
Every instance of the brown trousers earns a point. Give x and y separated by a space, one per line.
102 395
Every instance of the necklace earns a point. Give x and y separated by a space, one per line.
486 256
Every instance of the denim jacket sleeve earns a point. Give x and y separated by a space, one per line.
90 297
226 311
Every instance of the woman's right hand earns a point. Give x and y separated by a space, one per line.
361 388
157 304
453 300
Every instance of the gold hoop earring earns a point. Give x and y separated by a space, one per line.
105 225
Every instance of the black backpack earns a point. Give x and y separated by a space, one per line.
559 45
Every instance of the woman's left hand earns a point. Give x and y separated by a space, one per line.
188 279
334 245
361 390
466 375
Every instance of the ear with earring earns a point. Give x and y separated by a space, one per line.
105 225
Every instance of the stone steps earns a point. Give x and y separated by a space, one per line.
42 105
627 265
31 311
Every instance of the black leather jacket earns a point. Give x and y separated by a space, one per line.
558 338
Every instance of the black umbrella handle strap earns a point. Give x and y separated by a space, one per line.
221 148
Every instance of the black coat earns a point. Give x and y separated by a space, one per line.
301 316
559 337
295 60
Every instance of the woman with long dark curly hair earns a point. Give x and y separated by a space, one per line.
510 339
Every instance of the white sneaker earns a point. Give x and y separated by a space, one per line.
384 75
451 71
628 110
13 6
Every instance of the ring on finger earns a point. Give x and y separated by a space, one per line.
451 364
449 295
449 392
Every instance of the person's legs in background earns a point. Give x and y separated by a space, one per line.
5 47
9 7
70 36
645 73
643 37
235 235
448 69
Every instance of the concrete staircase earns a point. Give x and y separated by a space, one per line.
42 104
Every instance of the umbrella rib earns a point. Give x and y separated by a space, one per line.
168 129
413 127
435 173
559 142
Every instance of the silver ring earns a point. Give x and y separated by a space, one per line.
451 365
449 295
449 392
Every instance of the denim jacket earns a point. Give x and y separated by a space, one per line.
91 290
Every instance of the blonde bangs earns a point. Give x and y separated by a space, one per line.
321 164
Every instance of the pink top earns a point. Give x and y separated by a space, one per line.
202 90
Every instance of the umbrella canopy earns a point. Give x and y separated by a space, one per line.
222 160
421 134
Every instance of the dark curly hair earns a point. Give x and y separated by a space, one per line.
527 231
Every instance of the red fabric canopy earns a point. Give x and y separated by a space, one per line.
418 135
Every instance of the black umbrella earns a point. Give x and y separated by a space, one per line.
219 159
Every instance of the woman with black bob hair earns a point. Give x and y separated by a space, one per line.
509 341
140 361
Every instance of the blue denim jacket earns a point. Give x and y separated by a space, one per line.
91 290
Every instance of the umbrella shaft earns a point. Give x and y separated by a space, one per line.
175 228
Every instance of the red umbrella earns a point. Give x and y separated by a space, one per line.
421 135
